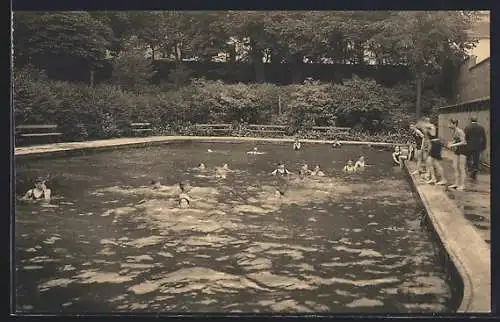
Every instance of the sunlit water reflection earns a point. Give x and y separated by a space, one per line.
341 243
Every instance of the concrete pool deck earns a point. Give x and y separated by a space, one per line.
464 243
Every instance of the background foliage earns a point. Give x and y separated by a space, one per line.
105 111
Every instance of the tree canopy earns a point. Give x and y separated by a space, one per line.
422 40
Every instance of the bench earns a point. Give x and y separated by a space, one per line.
331 129
215 128
140 128
255 128
37 133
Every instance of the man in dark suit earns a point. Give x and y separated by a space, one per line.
476 143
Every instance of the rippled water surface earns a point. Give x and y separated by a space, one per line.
107 242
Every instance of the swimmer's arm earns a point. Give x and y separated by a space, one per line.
274 172
28 195
419 133
47 194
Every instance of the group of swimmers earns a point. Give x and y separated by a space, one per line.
41 192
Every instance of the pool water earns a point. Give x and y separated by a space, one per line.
108 242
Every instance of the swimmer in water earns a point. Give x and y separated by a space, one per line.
281 170
39 192
184 200
360 164
399 156
297 145
155 184
210 151
254 151
184 186
222 171
336 144
349 167
279 193
317 171
396 154
304 170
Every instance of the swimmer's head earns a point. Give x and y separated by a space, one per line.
397 148
225 166
316 167
185 186
183 203
40 183
255 149
349 162
305 167
155 183
296 139
361 158
201 165
281 165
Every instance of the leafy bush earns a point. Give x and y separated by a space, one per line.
106 111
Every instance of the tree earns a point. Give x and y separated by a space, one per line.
131 71
425 41
119 23
44 39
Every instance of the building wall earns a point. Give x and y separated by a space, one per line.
482 50
473 81
463 113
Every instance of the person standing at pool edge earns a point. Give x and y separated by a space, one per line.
475 136
458 145
419 144
434 158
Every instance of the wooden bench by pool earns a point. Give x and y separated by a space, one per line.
337 129
215 128
140 128
278 129
37 133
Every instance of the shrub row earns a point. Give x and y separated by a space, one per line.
106 110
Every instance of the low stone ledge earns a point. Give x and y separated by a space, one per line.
468 252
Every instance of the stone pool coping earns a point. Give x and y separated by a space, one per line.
152 140
467 250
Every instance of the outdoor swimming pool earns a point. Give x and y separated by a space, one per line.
107 242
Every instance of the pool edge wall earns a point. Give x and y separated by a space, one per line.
467 256
455 236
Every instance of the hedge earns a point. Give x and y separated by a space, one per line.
105 111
